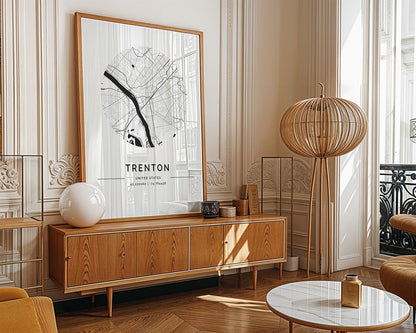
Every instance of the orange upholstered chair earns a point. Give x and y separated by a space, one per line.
398 274
21 313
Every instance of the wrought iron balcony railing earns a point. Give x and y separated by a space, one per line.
397 196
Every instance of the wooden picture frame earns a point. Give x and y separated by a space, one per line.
141 116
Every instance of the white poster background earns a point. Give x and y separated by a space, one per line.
175 183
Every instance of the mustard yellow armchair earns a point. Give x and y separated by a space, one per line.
398 274
21 313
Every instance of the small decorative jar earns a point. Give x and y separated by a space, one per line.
210 209
351 291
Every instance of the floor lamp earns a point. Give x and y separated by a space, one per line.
322 127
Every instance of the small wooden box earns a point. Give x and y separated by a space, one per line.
227 211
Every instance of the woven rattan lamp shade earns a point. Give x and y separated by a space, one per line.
323 127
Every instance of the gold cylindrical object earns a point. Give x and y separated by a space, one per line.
351 291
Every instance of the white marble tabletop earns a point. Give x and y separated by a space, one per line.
318 304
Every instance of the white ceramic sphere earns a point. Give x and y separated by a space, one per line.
82 205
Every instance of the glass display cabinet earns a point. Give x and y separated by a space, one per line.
21 222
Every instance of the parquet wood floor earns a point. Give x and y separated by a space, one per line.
227 308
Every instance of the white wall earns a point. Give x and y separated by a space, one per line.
280 58
257 62
39 96
352 198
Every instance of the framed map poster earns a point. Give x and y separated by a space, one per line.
141 120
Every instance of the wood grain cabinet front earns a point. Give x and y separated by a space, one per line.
99 258
119 253
206 248
250 242
162 251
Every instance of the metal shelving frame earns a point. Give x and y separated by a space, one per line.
23 222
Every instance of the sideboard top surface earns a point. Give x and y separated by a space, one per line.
161 223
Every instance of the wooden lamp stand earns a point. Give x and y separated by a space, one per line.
323 166
321 128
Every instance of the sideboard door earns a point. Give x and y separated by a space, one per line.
99 258
162 251
254 241
206 249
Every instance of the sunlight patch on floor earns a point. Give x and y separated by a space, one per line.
236 303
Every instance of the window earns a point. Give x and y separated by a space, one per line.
396 76
395 37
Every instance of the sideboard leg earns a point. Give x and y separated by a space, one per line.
255 277
220 281
239 277
93 299
110 301
281 271
290 327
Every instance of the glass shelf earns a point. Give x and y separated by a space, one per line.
21 222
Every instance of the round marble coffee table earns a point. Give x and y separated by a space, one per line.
318 304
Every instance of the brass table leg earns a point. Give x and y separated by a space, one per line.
110 301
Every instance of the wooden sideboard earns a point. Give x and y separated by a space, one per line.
119 253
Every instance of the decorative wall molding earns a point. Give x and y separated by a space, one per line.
52 127
216 175
323 22
53 97
10 210
8 176
270 181
302 175
371 103
10 91
223 179
324 37
248 104
64 171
